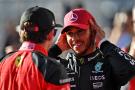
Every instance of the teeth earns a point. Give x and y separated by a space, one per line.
76 45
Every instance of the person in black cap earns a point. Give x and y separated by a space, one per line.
30 68
96 64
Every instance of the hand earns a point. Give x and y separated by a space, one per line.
120 18
132 47
62 42
100 34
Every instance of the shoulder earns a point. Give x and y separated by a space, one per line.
39 59
53 71
6 56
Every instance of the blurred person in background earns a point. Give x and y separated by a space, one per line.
123 36
96 64
30 68
122 31
9 49
12 42
132 48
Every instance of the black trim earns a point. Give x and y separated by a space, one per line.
40 60
54 51
6 55
52 71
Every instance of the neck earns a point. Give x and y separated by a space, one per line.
88 51
45 45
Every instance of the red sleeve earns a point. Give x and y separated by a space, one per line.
132 84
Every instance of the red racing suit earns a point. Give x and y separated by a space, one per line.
30 69
132 84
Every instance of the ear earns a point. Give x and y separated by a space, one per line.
50 36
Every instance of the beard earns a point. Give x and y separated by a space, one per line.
89 48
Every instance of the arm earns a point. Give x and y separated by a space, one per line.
54 51
59 47
117 29
123 64
132 47
56 77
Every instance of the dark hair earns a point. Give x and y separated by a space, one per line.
92 36
30 32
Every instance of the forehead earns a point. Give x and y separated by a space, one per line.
74 29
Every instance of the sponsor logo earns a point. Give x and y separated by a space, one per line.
81 60
95 78
73 86
72 79
62 81
91 58
98 67
71 73
73 17
126 56
18 61
97 85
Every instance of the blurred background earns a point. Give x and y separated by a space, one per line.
114 16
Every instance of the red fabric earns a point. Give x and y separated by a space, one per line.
18 72
132 84
78 18
20 77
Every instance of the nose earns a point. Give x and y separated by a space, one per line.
75 37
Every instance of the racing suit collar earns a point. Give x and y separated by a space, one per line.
88 58
33 46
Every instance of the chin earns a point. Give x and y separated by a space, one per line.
79 53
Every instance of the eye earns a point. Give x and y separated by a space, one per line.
80 32
69 33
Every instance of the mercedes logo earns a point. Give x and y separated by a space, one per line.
73 17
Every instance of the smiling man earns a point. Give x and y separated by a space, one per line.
96 64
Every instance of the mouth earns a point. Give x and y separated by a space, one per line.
77 45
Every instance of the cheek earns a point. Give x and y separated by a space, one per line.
69 41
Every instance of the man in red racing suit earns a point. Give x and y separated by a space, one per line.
30 68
